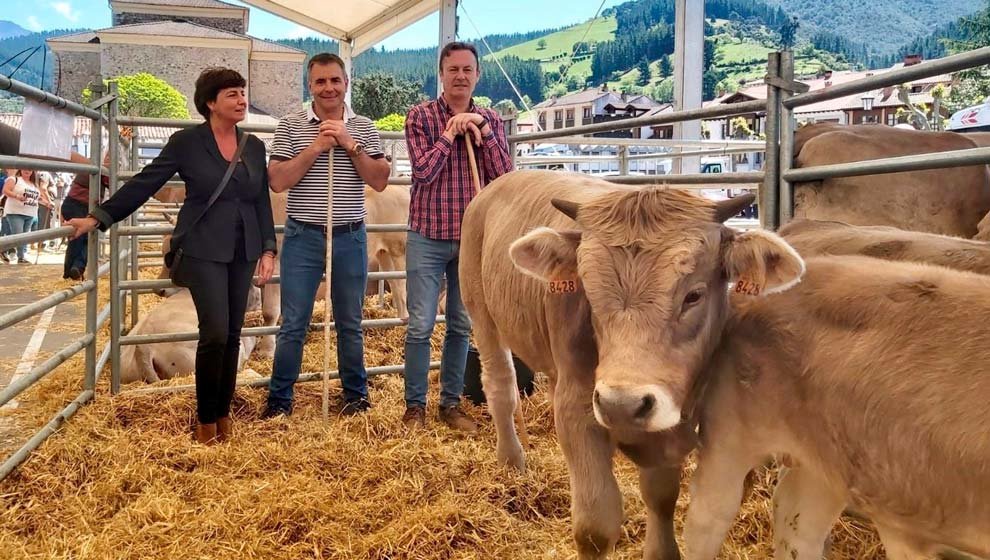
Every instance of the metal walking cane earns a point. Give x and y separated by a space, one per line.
326 295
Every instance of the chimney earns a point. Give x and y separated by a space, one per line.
912 59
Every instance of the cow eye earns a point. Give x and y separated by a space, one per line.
691 299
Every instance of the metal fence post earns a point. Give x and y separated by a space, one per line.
93 241
132 220
513 130
786 155
117 264
771 166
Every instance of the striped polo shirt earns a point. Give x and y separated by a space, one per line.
308 198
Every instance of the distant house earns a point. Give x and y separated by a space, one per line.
852 109
593 106
175 40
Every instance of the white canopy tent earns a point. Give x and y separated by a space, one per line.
359 24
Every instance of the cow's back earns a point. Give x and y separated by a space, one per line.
508 208
948 201
877 371
818 238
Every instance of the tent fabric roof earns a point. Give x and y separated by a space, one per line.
363 23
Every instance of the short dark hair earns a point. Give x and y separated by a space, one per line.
458 46
210 82
326 58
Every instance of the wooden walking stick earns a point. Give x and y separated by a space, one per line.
473 164
476 178
326 297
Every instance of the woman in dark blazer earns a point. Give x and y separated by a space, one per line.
223 249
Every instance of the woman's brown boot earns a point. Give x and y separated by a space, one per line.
225 428
206 433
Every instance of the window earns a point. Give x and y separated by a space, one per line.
543 117
587 112
891 119
558 115
570 114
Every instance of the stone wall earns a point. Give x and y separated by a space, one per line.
233 25
179 67
276 86
74 71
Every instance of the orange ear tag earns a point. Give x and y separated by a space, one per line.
562 286
747 287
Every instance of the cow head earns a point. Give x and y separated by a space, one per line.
654 265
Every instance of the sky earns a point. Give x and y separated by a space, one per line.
502 16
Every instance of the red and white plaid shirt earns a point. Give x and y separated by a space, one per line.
441 184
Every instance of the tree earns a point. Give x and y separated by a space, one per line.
394 122
787 31
541 44
378 94
144 95
665 69
664 92
644 72
974 84
482 101
506 107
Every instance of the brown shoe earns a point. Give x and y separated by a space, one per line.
454 417
414 418
225 428
206 433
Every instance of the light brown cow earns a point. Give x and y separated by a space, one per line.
815 238
588 302
154 362
387 250
869 377
946 201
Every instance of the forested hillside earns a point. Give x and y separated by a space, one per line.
880 27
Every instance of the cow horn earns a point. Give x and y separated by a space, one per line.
725 209
566 206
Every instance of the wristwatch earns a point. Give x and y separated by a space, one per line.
356 150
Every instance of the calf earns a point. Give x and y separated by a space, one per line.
868 377
584 279
154 362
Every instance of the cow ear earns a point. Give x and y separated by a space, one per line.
547 254
760 262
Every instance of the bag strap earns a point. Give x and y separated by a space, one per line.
222 184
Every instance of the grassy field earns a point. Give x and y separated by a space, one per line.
562 43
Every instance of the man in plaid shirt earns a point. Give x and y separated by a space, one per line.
436 133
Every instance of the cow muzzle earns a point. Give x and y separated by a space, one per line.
650 408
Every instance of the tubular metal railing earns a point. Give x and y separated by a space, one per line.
776 200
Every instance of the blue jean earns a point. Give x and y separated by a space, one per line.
19 223
302 265
427 261
75 252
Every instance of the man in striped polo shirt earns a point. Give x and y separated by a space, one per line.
436 133
304 144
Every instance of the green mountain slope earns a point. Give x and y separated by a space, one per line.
555 50
882 25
